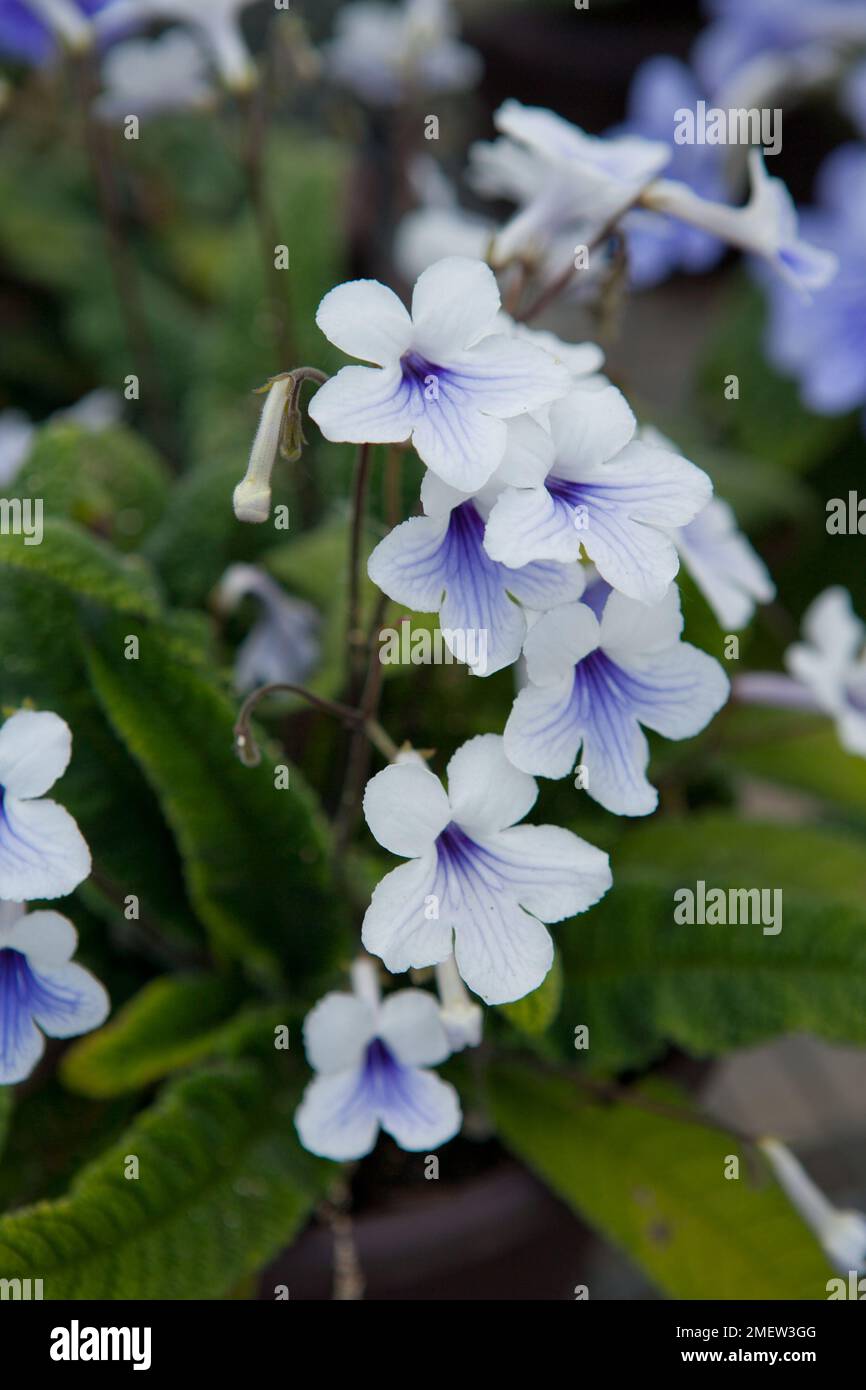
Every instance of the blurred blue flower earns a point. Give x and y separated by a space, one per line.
26 31
752 41
822 341
659 245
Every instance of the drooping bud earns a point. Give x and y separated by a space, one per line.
252 496
842 1234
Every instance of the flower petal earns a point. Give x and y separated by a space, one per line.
364 405
402 925
629 627
589 426
35 748
410 1025
677 692
558 641
421 1112
546 584
337 1031
67 1001
553 873
336 1118
46 938
453 305
454 438
42 851
21 1043
528 524
486 791
542 735
507 377
406 808
366 320
411 564
502 952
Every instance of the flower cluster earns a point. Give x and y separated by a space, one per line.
42 855
553 525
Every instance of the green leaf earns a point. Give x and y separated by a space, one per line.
639 980
109 481
81 565
655 1187
255 855
171 1023
796 750
223 1184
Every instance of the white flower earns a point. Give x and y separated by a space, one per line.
216 22
605 493
437 563
581 360
16 440
41 990
729 573
842 1234
830 664
372 1060
462 1018
42 851
390 53
145 76
564 179
827 670
766 227
594 682
476 882
282 645
443 377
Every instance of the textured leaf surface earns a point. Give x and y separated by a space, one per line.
83 566
639 980
171 1023
223 1185
655 1186
255 855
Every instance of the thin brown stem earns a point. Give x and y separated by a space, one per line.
354 635
124 269
246 746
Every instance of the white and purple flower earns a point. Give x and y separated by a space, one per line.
443 377
594 680
438 563
605 493
476 883
147 77
388 54
729 573
42 990
566 182
372 1060
766 227
827 670
42 852
658 246
822 342
282 646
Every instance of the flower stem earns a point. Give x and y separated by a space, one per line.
354 636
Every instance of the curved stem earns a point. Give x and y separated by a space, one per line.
245 745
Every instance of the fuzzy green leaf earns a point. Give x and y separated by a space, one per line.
255 855
656 1187
223 1184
